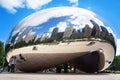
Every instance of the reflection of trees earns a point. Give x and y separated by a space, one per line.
20 44
23 43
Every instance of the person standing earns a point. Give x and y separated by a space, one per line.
65 68
9 64
13 63
114 68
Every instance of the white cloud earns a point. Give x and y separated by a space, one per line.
74 2
12 5
118 47
36 4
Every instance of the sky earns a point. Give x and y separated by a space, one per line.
13 11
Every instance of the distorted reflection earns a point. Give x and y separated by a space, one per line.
47 37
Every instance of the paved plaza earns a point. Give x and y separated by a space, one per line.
52 76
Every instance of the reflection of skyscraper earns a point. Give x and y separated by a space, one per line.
37 38
110 37
29 36
104 32
87 31
59 35
68 32
14 37
75 34
54 33
22 34
44 36
96 29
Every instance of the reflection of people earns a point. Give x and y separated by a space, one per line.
21 57
34 48
13 63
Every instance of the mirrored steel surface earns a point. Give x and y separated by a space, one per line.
55 36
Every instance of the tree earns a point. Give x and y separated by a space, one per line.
116 62
1 53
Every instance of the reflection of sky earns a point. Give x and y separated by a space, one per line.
41 28
43 22
44 27
51 23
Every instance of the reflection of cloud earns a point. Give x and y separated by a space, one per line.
82 21
110 31
11 5
74 2
61 25
51 29
118 47
45 15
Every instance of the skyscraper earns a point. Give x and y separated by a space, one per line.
87 31
68 32
96 29
37 38
44 36
29 36
104 32
14 38
54 33
75 34
22 34
110 37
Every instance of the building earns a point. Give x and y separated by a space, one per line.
75 34
87 31
44 36
110 37
13 40
21 35
104 32
29 37
54 33
68 32
95 29
37 38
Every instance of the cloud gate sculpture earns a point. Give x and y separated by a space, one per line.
61 35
